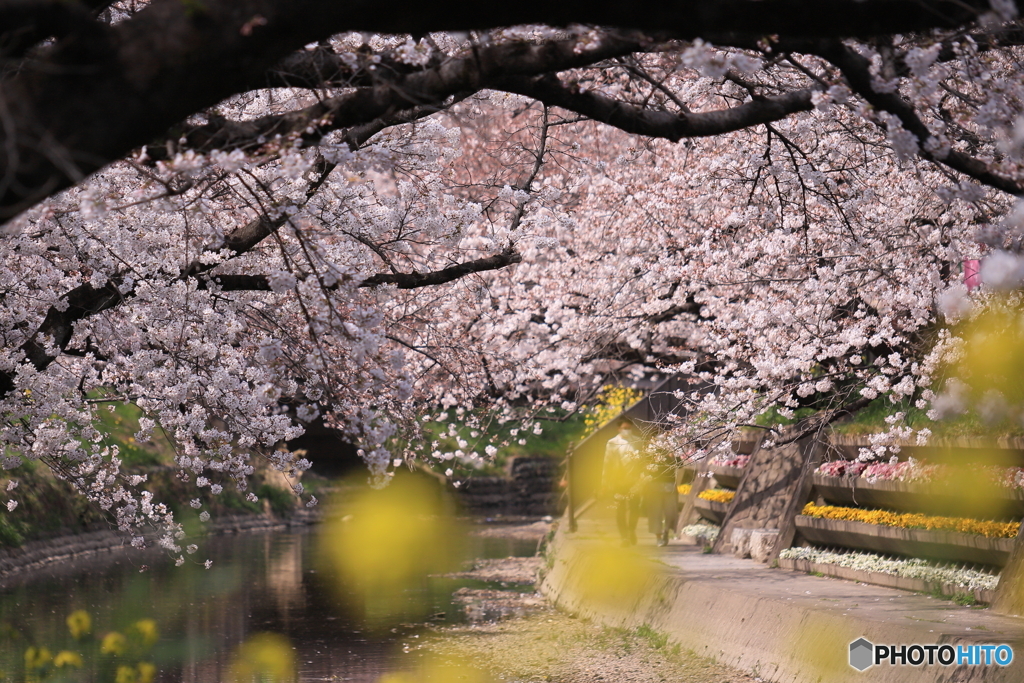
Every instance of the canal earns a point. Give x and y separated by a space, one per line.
258 583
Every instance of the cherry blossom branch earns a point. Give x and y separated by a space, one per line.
815 424
856 69
86 300
983 41
445 275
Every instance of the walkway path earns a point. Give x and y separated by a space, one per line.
778 624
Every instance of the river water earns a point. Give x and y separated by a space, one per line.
258 582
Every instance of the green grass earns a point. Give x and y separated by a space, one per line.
965 599
46 507
119 423
552 442
871 419
960 598
655 639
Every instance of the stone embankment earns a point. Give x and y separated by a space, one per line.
530 489
779 625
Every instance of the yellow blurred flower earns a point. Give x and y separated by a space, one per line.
684 489
79 623
265 657
391 541
615 576
147 672
113 643
37 657
993 353
68 658
146 631
126 674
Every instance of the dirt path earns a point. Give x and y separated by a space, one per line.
544 644
549 645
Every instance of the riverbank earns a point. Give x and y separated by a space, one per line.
537 642
36 555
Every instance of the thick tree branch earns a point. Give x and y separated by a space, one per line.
476 70
24 23
445 275
818 422
414 280
321 68
313 123
85 103
661 124
57 328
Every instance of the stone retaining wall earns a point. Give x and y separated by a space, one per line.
530 489
778 637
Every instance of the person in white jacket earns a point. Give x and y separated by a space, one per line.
623 466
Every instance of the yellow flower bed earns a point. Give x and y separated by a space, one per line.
913 520
718 495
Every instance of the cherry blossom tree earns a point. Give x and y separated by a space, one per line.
244 216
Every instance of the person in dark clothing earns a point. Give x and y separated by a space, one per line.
661 499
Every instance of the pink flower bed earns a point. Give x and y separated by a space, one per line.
736 461
916 471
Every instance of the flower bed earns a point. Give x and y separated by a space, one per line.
912 470
912 520
713 505
717 495
737 461
702 531
911 568
909 574
728 477
934 544
942 498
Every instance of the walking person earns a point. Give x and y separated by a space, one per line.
623 468
662 498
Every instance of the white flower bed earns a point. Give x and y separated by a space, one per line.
912 568
709 532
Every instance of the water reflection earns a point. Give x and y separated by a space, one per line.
258 583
